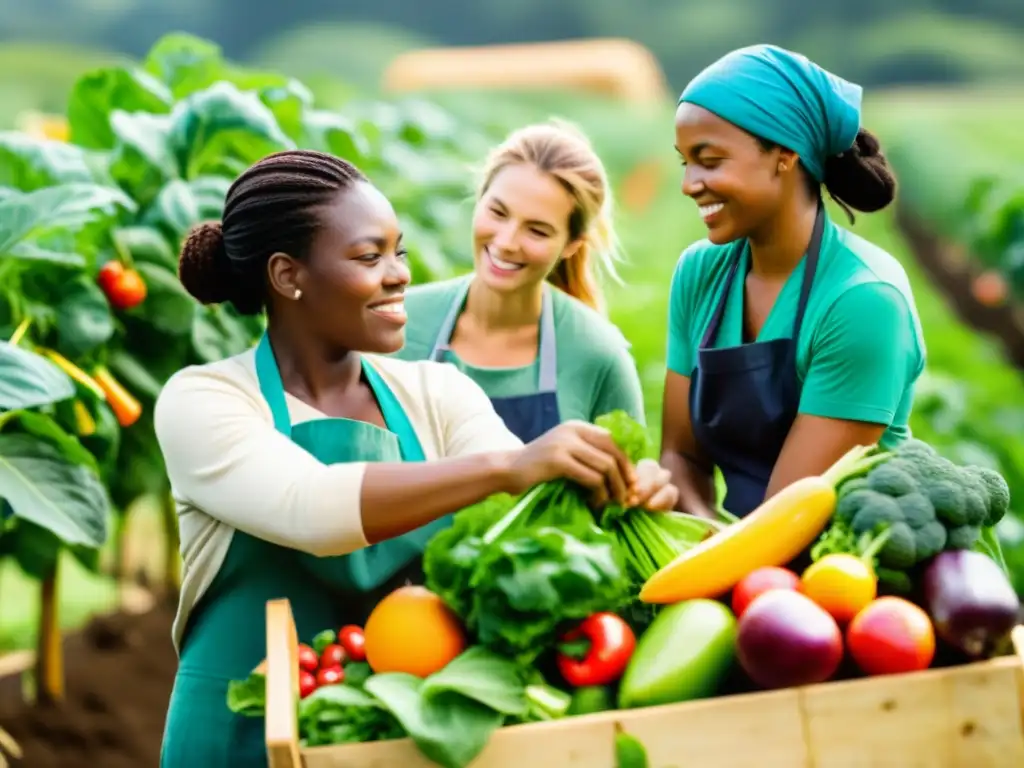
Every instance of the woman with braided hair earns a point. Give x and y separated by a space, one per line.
791 339
315 467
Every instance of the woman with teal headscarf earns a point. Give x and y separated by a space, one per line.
791 339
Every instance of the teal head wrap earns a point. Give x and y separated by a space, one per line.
783 97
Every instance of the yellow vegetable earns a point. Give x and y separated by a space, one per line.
772 535
72 370
84 420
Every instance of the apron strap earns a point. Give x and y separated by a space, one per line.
716 318
444 335
810 269
547 378
271 386
548 375
394 415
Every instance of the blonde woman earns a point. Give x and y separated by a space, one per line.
527 324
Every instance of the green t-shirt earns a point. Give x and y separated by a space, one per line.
861 348
595 372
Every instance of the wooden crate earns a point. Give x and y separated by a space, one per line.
970 716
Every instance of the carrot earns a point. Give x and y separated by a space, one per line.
772 535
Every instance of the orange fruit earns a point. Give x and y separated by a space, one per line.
841 584
413 631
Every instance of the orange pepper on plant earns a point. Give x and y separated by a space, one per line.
125 407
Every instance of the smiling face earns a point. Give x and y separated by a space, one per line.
354 277
521 228
737 184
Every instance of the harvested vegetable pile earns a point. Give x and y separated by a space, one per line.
531 608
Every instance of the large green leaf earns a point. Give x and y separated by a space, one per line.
168 306
44 427
218 333
143 161
146 244
40 224
43 487
174 210
84 321
222 130
28 163
288 102
210 193
331 132
185 63
28 380
97 94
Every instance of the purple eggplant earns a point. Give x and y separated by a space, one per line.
970 601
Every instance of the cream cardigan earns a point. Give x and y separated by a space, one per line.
231 470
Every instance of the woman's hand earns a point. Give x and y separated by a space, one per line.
653 488
577 451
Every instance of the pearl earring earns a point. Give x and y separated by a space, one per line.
298 293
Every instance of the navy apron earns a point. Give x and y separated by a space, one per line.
743 400
527 416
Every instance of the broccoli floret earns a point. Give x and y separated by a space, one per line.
914 448
900 550
917 509
963 537
869 511
975 499
948 500
930 539
997 493
891 479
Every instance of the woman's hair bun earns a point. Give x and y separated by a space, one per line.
203 267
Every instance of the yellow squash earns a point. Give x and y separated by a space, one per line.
773 534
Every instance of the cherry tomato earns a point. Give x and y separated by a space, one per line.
603 659
307 683
330 676
759 581
332 656
308 660
351 639
124 288
109 274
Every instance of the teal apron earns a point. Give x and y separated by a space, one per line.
225 635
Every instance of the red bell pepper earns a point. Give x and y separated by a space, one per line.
597 651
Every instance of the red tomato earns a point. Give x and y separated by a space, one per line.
891 635
330 676
605 645
308 660
760 581
350 637
332 656
307 684
124 288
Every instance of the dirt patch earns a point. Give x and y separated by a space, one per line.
951 270
119 674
